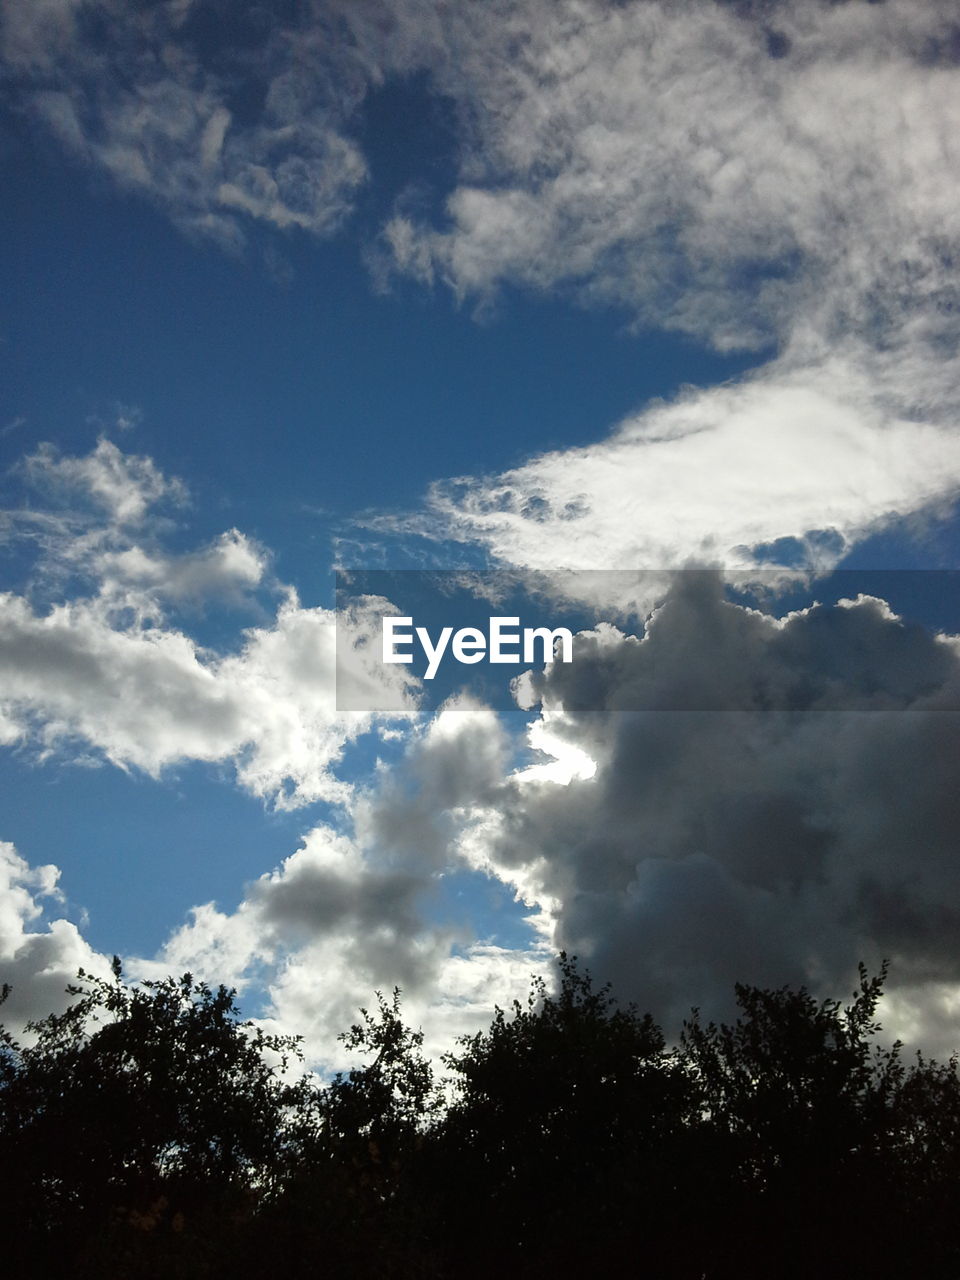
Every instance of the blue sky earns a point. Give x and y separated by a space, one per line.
525 287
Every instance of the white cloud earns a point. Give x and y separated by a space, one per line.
753 176
107 670
37 964
150 697
123 486
224 572
99 518
714 476
661 156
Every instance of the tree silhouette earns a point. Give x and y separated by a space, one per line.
802 1138
351 1197
569 1113
140 1113
149 1133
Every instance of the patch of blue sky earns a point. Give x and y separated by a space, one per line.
290 408
137 853
482 909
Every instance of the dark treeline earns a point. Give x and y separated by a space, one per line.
149 1132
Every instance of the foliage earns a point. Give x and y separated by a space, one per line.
569 1111
802 1133
144 1133
389 1100
137 1111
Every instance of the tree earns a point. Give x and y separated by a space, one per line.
354 1196
139 1112
804 1137
144 1134
391 1099
566 1133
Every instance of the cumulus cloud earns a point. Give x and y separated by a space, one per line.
150 697
37 964
337 921
309 944
450 772
746 821
707 808
102 666
223 572
744 824
97 522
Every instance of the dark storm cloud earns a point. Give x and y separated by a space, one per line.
781 843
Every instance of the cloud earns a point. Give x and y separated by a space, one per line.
759 177
39 964
149 697
779 837
98 521
223 572
773 178
312 940
366 907
336 922
102 665
813 455
716 169
134 90
744 825
450 772
122 486
766 833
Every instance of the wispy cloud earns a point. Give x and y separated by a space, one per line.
734 172
123 486
775 177
126 88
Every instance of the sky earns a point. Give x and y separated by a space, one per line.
647 310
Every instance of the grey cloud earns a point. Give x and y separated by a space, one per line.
701 652
310 900
764 846
332 924
455 765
